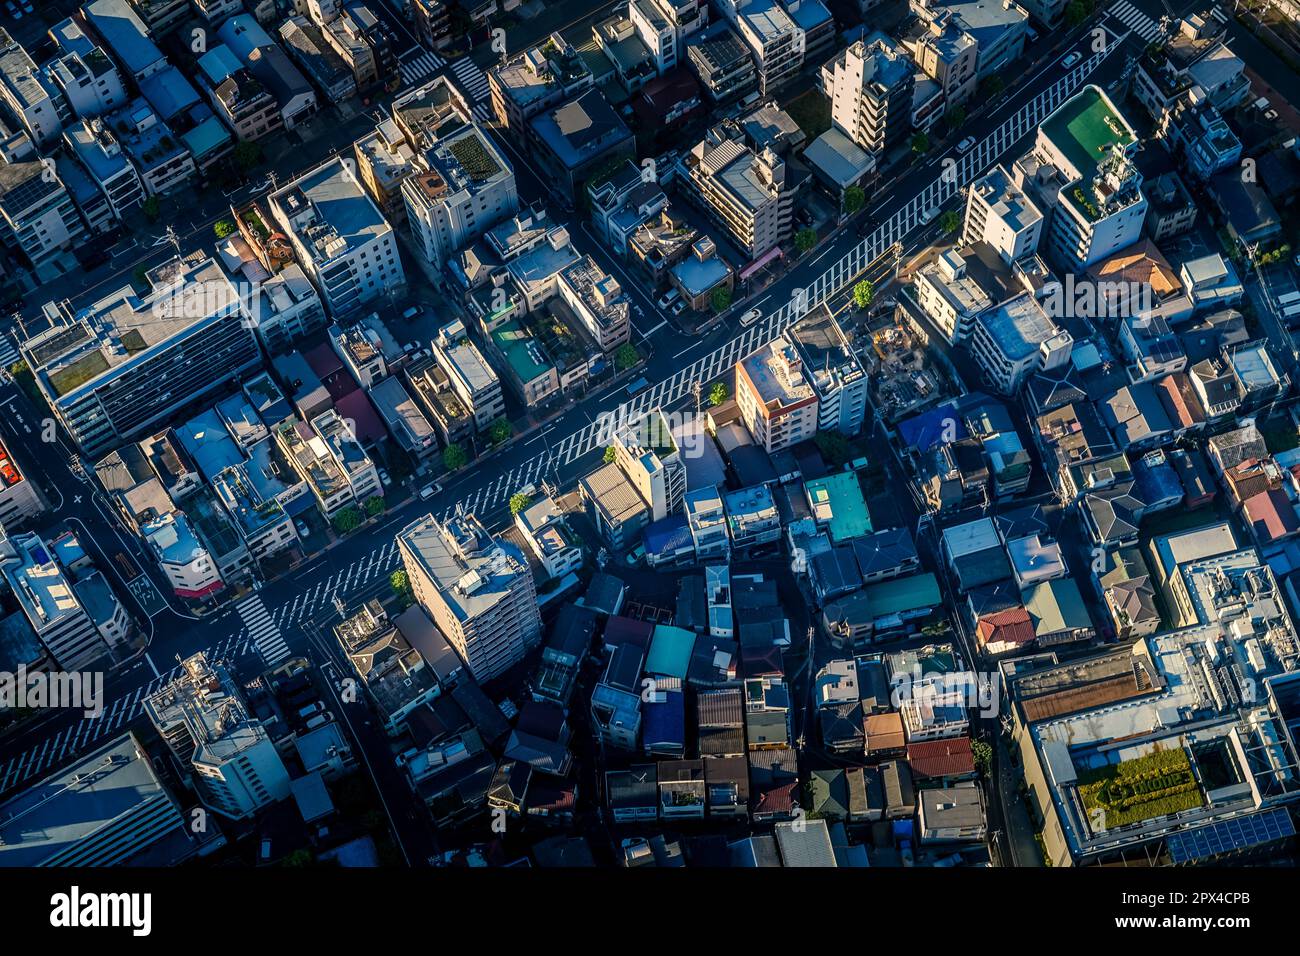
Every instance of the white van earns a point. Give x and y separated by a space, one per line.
429 490
749 318
411 313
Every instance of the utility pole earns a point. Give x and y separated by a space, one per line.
695 390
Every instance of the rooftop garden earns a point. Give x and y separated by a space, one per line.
1141 789
78 373
473 158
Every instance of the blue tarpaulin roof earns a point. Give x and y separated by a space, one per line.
667 535
926 430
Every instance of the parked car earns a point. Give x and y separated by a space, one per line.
1071 59
928 216
301 525
668 298
429 490
319 720
966 144
750 317
383 477
406 755
678 307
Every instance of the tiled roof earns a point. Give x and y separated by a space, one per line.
941 758
1011 626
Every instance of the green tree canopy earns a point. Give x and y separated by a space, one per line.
610 455
499 431
374 506
626 357
519 501
454 457
721 298
854 199
863 293
718 394
920 143
223 228
950 221
805 239
347 520
247 155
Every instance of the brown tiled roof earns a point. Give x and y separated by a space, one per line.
1270 515
1179 401
952 757
1011 626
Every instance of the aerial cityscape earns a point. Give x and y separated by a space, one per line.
457 434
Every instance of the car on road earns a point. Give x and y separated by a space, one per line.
966 144
1071 59
429 490
927 217
640 385
749 318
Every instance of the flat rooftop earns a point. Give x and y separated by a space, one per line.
331 212
1085 127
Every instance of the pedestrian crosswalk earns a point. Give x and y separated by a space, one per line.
472 81
1135 20
8 354
262 630
416 64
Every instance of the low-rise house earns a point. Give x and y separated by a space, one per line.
1058 613
952 814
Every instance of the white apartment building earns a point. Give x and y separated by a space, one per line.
341 444
83 72
598 301
744 192
98 151
203 719
549 537
1016 339
776 401
776 41
648 454
1080 173
186 563
871 95
477 589
283 308
949 297
461 187
346 246
37 216
28 94
664 25
833 370
44 591
999 213
472 379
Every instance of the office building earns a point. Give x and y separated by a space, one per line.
745 192
115 370
459 188
107 808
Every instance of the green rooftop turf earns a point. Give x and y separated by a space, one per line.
1079 129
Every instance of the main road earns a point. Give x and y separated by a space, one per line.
284 611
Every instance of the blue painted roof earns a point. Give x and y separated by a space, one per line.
169 93
667 535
